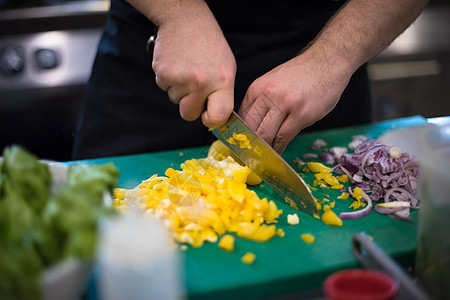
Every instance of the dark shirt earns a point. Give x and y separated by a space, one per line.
125 112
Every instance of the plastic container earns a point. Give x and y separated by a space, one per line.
430 145
137 260
360 284
433 244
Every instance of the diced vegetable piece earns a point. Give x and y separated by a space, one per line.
292 219
280 232
253 179
318 205
227 242
318 167
308 238
248 258
344 196
330 218
343 178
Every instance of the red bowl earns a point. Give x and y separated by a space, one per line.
360 284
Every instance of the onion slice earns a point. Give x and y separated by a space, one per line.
359 213
396 209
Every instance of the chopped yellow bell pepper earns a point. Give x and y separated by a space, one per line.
280 232
308 238
253 179
203 201
343 178
232 141
330 218
318 205
344 196
227 242
248 258
316 167
357 193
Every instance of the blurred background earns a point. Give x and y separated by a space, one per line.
47 48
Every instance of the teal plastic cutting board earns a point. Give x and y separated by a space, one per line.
283 265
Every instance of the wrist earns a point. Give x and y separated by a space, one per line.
329 60
177 12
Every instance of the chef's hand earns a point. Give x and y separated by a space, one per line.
303 90
294 95
193 62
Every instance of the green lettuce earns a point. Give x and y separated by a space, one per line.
38 228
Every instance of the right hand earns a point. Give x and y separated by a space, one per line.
194 63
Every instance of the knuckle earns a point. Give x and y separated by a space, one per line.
263 133
280 139
199 79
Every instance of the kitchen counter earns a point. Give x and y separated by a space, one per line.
283 266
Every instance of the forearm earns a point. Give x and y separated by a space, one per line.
170 11
362 29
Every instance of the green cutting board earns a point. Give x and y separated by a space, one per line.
283 265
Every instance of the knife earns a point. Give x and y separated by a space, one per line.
262 159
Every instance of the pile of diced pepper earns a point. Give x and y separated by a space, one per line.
203 201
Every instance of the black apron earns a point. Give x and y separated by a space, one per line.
125 112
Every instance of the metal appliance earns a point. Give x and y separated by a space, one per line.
47 48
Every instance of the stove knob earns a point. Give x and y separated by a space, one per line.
46 58
12 60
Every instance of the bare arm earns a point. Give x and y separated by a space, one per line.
191 59
304 89
362 29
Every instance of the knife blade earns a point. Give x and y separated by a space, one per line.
262 159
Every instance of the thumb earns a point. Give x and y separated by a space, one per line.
218 108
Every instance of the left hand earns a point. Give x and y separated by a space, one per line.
294 95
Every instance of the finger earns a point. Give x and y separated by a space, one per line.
247 103
192 106
219 108
288 130
176 93
163 85
269 126
256 114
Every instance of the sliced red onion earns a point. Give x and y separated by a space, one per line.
392 175
327 157
364 186
356 140
310 155
396 209
402 214
318 144
337 152
299 162
357 178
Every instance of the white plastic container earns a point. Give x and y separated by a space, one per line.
433 244
137 260
430 144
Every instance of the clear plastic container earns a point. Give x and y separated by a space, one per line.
430 144
137 260
433 248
